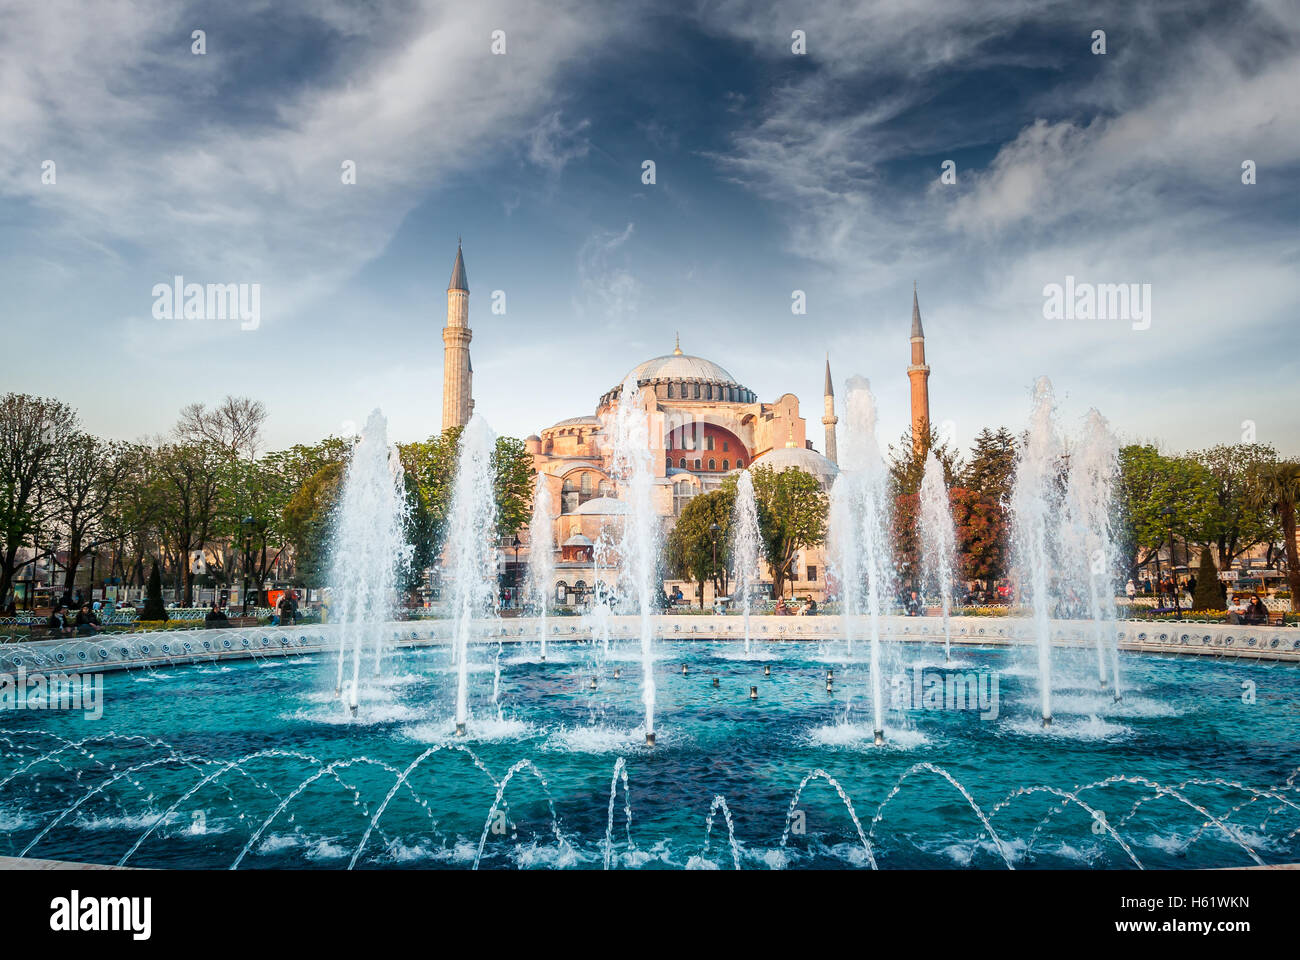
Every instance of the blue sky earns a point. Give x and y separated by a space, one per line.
775 172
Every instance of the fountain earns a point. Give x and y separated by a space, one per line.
639 547
745 545
938 541
859 519
1087 542
369 550
1035 496
469 551
541 556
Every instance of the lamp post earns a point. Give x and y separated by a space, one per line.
713 532
247 527
1168 513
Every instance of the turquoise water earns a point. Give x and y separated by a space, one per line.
93 790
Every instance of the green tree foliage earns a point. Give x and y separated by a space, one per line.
695 551
1277 486
309 520
991 469
1149 484
791 516
1235 522
907 465
1210 594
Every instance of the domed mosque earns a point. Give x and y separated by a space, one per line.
703 425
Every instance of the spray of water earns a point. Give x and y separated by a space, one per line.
859 535
470 553
541 556
1088 551
1035 499
639 547
369 551
938 541
745 543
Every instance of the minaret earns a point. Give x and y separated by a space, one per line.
919 374
828 418
457 374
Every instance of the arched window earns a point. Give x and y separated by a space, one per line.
683 463
740 464
697 391
697 464
670 391
726 465
561 592
586 485
713 464
670 441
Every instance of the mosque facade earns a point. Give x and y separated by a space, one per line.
702 425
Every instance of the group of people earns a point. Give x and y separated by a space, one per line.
85 623
1254 612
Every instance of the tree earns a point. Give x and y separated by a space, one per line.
86 477
991 470
190 478
981 529
1235 522
235 425
153 602
309 520
907 464
31 430
1210 594
1278 486
791 516
695 551
1149 484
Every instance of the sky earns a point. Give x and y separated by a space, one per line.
775 171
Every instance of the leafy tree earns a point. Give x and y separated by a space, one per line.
1149 484
1277 485
907 465
791 516
85 479
1235 522
31 431
694 550
190 480
1210 593
309 520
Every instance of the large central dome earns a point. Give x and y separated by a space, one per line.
682 366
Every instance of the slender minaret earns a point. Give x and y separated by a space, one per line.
919 374
828 418
457 374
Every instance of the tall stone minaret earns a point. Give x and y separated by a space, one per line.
919 374
457 374
828 418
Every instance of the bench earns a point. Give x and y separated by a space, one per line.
1276 618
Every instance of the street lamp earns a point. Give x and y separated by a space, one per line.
713 530
247 526
1168 513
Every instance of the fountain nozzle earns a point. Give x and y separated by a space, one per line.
650 739
715 681
767 669
1047 720
352 709
830 687
460 729
830 675
683 669
880 738
593 683
1118 698
753 693
618 673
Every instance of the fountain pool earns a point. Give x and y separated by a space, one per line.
254 763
